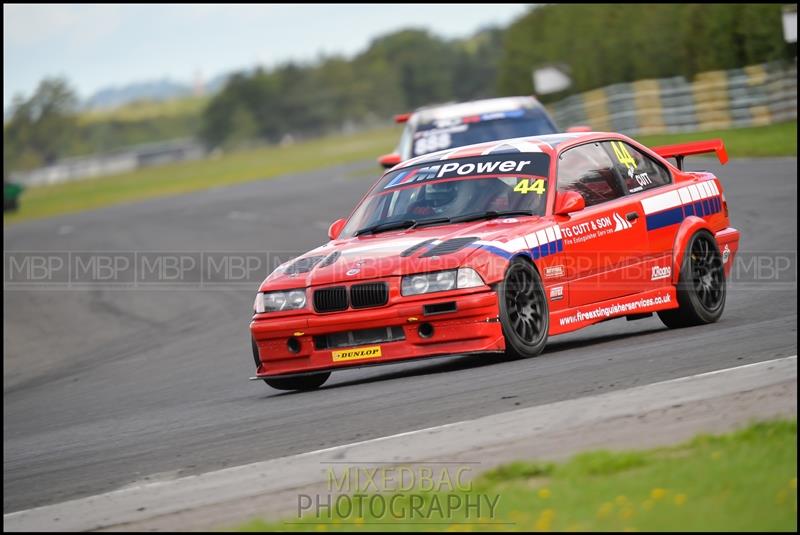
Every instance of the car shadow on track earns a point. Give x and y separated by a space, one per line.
558 345
451 363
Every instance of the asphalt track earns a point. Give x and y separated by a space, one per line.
106 387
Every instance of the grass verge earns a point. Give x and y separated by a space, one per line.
756 141
742 481
184 177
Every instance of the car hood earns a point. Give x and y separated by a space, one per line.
397 253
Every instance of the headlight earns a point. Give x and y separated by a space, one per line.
278 301
440 281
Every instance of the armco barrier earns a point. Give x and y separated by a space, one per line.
751 96
120 161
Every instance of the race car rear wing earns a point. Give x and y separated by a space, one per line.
680 150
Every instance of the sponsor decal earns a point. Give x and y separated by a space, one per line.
616 309
552 272
445 128
642 179
556 293
726 253
360 353
353 271
469 119
449 122
595 228
620 223
659 273
502 115
488 165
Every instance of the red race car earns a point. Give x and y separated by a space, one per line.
492 248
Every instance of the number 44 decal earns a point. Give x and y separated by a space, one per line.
525 186
623 155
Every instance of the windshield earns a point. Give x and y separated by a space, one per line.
454 190
460 131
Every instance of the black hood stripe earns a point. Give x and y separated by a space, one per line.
416 247
449 246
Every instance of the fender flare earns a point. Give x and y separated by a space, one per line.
688 227
527 256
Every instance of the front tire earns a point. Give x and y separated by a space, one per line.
304 382
524 313
701 285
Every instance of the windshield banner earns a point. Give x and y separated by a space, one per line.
528 164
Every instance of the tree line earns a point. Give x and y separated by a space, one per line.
604 44
601 44
397 72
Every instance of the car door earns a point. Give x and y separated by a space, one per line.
604 242
648 183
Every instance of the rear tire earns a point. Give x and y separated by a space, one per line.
524 313
701 286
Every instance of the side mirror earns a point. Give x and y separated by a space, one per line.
568 202
335 228
389 160
578 128
401 118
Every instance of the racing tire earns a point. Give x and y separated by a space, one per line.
701 285
524 314
304 382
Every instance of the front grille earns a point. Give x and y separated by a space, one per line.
330 299
371 294
359 338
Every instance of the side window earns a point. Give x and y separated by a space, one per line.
639 171
589 170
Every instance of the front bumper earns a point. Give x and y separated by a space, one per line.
472 327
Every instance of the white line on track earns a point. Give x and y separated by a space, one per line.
462 422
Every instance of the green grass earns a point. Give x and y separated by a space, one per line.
743 481
757 141
230 168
